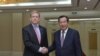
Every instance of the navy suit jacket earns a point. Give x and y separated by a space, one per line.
31 42
71 45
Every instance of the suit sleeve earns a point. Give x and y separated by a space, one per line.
45 39
28 43
77 43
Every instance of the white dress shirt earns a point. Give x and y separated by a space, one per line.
65 32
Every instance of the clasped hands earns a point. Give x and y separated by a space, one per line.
44 50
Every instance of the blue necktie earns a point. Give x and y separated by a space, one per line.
62 38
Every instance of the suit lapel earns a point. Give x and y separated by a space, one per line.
41 32
32 32
67 37
58 38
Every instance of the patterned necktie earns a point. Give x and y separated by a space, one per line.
62 38
38 34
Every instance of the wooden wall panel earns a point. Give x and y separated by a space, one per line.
93 40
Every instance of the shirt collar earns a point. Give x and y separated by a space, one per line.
65 30
35 25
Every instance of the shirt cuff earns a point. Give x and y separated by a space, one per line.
40 49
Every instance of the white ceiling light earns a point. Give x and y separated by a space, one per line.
6 5
85 8
55 9
88 0
1 10
67 3
25 4
64 2
86 19
27 10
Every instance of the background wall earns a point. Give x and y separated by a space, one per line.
11 24
10 34
5 33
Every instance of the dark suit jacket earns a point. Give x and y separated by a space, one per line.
31 42
71 45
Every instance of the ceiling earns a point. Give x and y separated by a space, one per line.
77 5
78 8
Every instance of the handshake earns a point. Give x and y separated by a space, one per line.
43 50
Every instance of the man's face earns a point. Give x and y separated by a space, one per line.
63 23
35 18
